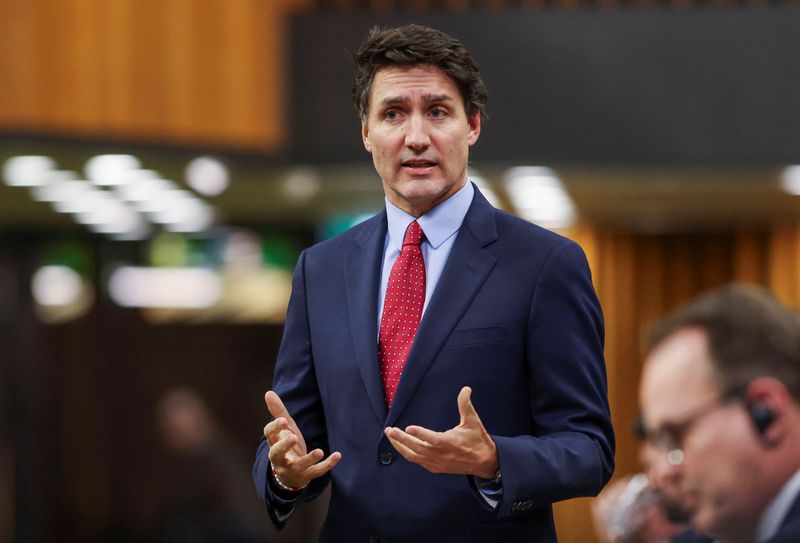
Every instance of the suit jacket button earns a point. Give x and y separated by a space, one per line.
386 458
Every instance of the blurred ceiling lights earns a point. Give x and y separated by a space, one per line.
538 196
485 188
60 294
301 184
189 288
119 198
790 180
207 175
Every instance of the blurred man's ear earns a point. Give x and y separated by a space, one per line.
767 401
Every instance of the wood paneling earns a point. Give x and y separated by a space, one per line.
783 259
191 71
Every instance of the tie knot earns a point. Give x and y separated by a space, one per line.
414 234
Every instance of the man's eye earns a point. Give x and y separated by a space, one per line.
438 112
391 114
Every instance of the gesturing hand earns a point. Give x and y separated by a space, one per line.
287 448
466 449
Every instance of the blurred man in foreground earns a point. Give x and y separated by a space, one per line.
720 395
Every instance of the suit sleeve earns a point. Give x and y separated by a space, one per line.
571 451
296 383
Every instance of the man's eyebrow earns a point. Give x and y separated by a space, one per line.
392 100
435 98
427 98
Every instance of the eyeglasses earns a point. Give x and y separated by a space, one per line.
670 436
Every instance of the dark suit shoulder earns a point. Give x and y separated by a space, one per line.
527 232
525 239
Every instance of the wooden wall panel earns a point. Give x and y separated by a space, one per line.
88 74
192 71
147 37
573 520
54 65
783 263
749 259
18 45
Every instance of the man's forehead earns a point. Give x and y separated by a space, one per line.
677 373
402 83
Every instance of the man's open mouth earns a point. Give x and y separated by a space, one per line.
419 164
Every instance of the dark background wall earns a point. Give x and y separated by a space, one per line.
627 86
78 411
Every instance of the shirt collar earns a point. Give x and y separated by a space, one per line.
775 513
439 223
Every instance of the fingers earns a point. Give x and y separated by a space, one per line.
308 460
407 440
275 405
423 434
287 451
279 450
400 447
274 428
299 472
321 468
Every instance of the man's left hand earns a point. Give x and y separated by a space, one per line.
466 449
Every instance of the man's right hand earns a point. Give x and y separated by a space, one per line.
293 465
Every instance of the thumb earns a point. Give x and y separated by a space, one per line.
465 407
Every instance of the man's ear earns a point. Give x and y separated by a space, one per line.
474 128
365 134
767 401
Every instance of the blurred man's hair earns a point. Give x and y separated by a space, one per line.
750 334
413 45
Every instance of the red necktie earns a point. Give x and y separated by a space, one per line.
402 309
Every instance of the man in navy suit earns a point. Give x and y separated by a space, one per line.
720 396
442 363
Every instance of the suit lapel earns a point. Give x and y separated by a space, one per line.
466 269
362 270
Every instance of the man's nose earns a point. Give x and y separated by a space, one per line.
663 473
417 136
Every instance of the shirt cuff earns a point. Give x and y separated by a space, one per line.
491 490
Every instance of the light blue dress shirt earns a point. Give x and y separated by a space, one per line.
440 224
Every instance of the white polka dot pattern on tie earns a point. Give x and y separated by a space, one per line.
402 310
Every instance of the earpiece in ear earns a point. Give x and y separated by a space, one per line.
761 415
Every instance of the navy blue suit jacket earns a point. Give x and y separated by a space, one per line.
515 317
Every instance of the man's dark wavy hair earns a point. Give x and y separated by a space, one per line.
412 45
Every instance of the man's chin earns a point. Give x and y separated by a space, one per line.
706 522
